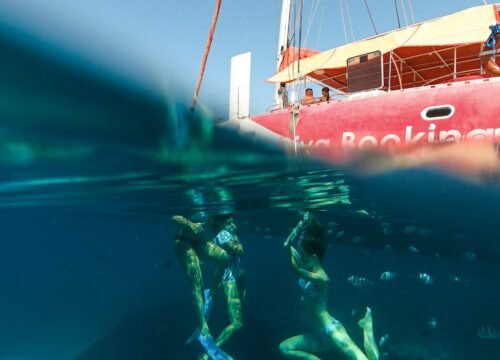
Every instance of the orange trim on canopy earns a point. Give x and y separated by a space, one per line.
291 54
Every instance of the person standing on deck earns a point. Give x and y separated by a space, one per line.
283 96
488 61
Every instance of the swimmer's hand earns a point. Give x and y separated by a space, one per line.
235 247
196 227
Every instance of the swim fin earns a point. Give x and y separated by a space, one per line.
213 350
194 336
207 311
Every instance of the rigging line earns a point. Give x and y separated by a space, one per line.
294 22
300 33
343 20
411 11
312 15
320 26
404 12
371 19
294 30
397 13
291 69
288 39
349 18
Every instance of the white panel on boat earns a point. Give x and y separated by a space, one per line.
239 90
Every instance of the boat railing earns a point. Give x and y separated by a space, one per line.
405 70
489 52
274 108
454 61
465 73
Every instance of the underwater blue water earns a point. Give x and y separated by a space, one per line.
88 282
92 172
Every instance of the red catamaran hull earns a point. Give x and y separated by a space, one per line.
394 121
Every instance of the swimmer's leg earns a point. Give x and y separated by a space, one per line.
366 323
343 342
212 251
234 308
191 264
303 347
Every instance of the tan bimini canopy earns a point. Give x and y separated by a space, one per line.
422 52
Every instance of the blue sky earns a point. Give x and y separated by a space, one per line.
159 43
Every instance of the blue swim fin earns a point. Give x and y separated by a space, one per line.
194 336
207 311
213 350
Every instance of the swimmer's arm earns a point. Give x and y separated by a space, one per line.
235 247
297 229
179 219
318 276
196 227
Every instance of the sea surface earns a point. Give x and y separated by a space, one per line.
92 171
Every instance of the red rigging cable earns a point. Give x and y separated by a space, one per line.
205 55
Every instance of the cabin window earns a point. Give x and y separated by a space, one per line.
441 112
365 72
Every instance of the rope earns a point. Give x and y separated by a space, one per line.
312 15
320 26
343 20
397 13
404 12
300 33
411 11
349 18
294 9
295 87
205 54
206 110
371 18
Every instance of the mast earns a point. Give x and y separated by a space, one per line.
282 39
205 55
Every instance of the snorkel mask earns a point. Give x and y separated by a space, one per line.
491 42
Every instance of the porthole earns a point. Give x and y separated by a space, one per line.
441 112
